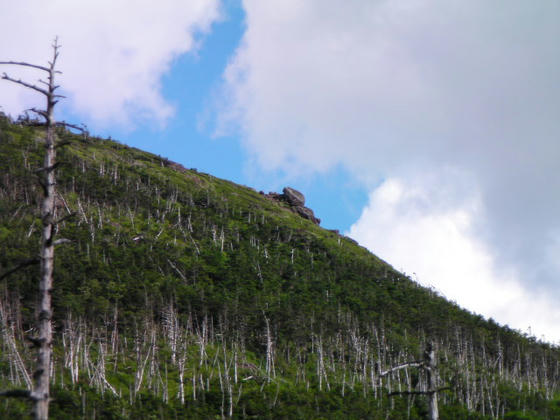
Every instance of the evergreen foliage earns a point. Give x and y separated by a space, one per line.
182 295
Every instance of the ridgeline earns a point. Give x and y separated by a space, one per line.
181 295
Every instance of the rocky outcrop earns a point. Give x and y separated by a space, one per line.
307 213
296 201
294 197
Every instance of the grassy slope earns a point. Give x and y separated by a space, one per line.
151 239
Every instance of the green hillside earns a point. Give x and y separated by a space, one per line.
182 295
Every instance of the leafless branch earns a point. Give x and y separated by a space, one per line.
16 393
429 392
177 270
21 63
395 393
49 168
27 85
21 265
42 184
35 342
83 129
63 219
403 366
39 111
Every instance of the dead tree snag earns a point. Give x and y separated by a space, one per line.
429 365
40 394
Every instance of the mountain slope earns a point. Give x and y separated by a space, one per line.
185 295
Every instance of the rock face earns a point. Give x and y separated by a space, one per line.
296 200
307 213
294 197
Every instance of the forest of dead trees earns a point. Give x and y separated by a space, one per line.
141 309
184 356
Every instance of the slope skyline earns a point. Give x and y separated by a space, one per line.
173 283
432 127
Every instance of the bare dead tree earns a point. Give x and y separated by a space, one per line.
40 394
428 364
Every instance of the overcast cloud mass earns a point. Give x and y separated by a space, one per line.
113 55
448 110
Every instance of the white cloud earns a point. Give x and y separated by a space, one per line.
431 80
113 54
422 228
391 89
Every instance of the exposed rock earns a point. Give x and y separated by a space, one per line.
307 213
296 201
294 197
168 163
275 196
177 166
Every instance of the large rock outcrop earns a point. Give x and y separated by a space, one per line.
296 201
294 197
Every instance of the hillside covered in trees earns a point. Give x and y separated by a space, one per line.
181 295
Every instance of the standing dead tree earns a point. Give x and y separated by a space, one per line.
428 364
40 394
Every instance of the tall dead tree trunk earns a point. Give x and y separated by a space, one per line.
40 395
429 365
41 389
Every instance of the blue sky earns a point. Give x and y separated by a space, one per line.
190 86
426 130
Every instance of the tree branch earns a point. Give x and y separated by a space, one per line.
177 270
394 393
62 219
33 124
74 126
433 391
49 168
43 185
404 365
21 265
35 342
21 63
27 85
40 112
16 393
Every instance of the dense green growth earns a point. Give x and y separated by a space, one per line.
183 295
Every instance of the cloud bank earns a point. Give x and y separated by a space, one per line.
402 91
426 226
113 55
